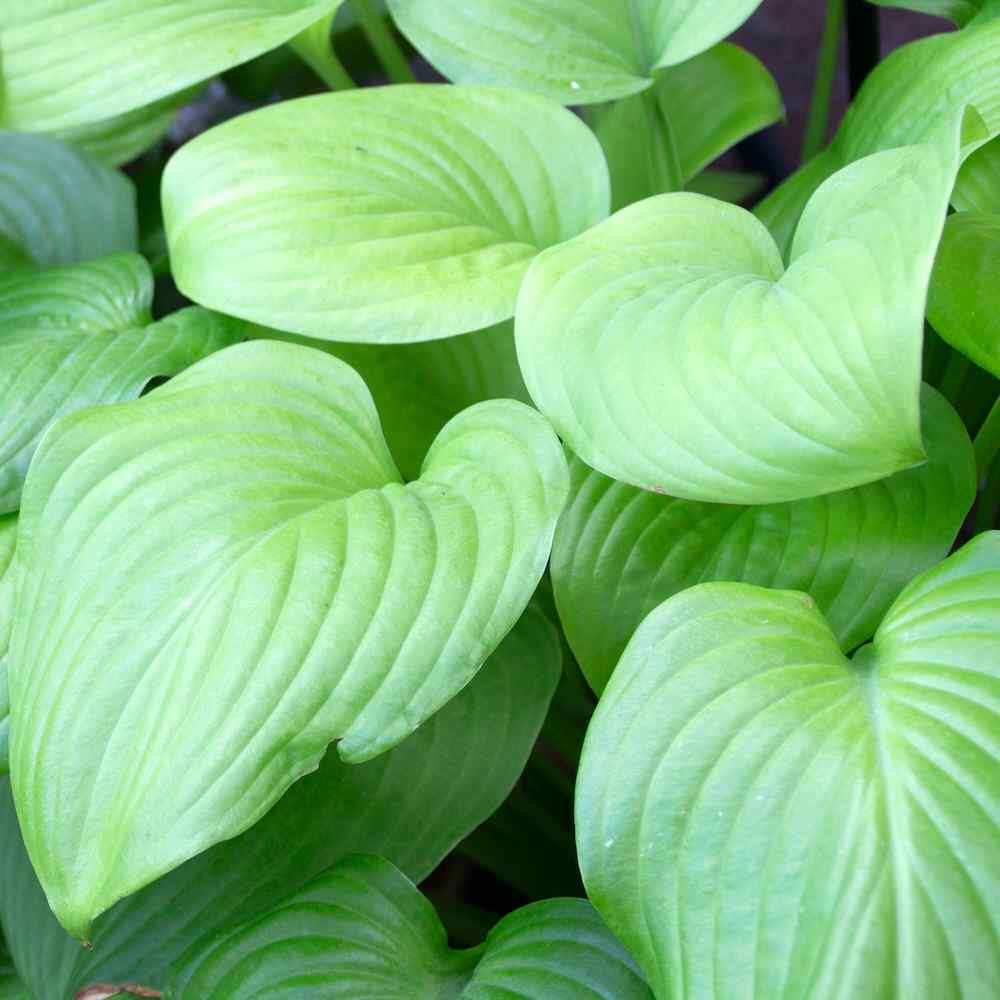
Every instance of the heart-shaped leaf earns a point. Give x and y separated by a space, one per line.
419 387
978 186
620 551
70 62
76 336
963 305
759 816
363 930
648 340
60 205
389 214
289 591
410 805
708 103
573 52
904 100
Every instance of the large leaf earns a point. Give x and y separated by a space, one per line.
759 816
61 206
672 349
708 103
620 551
964 300
958 11
419 387
289 591
572 51
75 336
8 541
978 186
70 62
903 101
409 805
362 931
389 214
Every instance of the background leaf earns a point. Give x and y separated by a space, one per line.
61 206
595 50
958 11
978 186
709 103
463 761
77 336
363 930
404 213
619 551
758 815
647 339
71 62
258 527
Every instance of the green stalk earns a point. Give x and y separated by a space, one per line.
665 167
987 442
383 42
315 48
826 71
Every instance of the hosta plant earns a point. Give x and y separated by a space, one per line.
461 538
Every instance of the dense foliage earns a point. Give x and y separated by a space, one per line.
453 484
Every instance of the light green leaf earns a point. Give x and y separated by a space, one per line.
647 341
904 100
574 52
960 12
759 816
363 930
419 387
619 551
709 103
402 213
71 62
76 336
288 592
60 205
462 762
963 305
8 542
121 139
978 186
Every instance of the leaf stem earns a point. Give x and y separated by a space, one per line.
863 42
987 442
665 168
315 47
826 71
387 50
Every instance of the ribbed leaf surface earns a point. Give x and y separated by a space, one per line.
760 817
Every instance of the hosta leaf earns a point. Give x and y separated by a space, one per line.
60 205
978 186
464 760
8 541
709 102
648 339
904 100
964 300
70 62
362 930
620 551
958 11
419 387
289 591
758 816
75 336
573 52
403 213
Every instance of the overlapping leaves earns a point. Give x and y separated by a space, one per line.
758 814
291 591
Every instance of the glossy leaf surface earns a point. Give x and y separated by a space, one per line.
620 551
595 50
379 806
76 336
362 930
70 62
402 213
291 592
672 349
60 205
759 816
